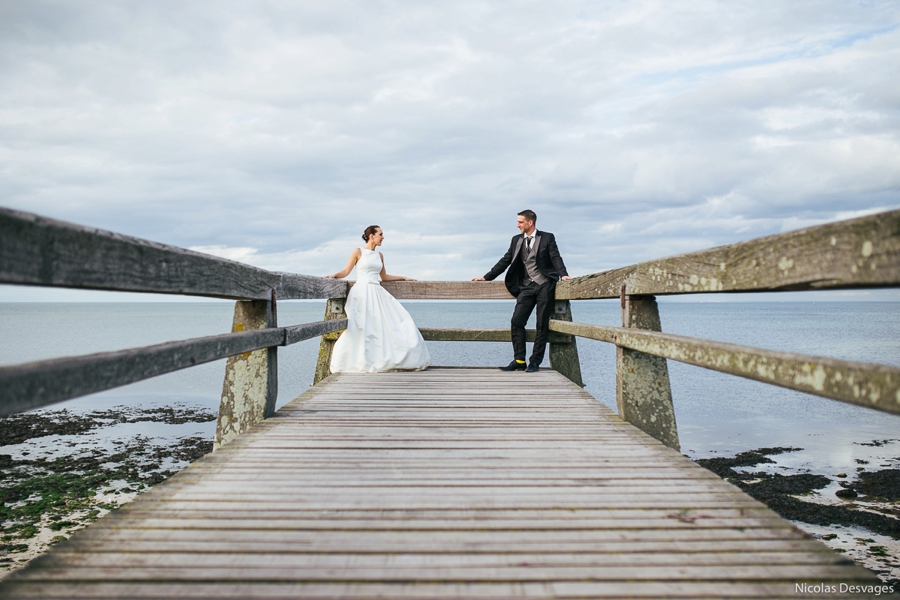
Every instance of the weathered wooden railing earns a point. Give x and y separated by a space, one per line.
563 352
861 253
854 254
44 252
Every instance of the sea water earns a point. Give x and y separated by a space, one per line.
716 414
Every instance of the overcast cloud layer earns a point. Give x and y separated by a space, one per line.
274 132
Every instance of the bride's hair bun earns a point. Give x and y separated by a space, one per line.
369 231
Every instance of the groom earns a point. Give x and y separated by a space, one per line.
534 268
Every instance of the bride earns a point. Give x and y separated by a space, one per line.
380 334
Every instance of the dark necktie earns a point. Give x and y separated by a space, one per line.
528 245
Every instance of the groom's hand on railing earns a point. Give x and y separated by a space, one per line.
566 278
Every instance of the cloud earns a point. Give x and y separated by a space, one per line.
273 132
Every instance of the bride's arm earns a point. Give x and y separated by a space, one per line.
351 262
386 277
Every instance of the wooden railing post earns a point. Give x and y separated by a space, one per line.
564 356
643 393
334 309
250 388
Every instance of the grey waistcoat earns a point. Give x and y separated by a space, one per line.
531 263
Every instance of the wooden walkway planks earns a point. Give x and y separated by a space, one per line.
449 483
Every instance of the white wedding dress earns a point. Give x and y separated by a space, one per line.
380 334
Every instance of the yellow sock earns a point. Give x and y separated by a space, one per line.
521 362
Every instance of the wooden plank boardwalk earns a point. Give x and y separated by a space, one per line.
449 483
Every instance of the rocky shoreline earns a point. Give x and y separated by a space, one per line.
53 481
860 519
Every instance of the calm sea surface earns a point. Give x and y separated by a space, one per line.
716 414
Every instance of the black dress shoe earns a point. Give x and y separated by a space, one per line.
513 366
532 368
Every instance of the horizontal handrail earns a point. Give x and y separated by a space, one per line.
33 385
38 251
446 334
448 290
307 331
863 384
857 253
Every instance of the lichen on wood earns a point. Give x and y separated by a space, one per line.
863 384
564 352
643 392
858 253
250 385
334 309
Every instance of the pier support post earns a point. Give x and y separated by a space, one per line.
564 356
334 309
250 388
643 393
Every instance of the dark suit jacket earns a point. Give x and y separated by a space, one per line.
548 261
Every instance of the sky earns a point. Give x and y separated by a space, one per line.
273 133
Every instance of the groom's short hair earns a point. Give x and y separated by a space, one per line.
529 215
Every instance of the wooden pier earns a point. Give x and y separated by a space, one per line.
452 482
448 483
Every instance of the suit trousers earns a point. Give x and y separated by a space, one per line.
531 295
